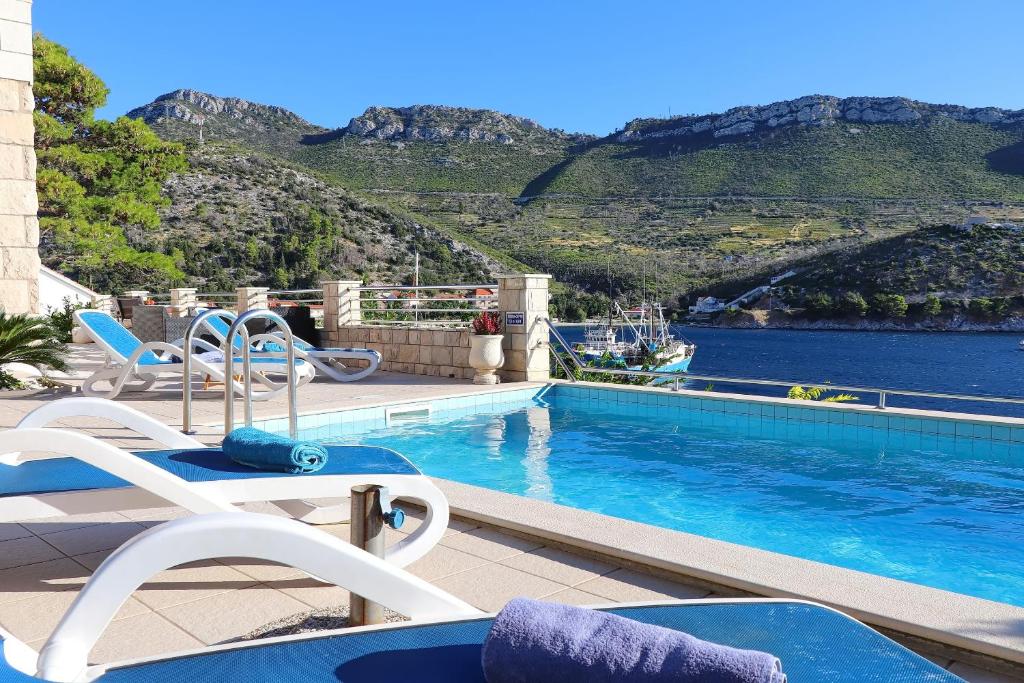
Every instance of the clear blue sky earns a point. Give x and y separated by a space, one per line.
581 66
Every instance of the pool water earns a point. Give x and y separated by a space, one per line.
938 511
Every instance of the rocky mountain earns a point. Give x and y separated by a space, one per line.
182 114
813 110
434 123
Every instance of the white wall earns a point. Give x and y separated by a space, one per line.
54 288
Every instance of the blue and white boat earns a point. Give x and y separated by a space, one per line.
652 344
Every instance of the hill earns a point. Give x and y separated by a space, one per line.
243 216
686 201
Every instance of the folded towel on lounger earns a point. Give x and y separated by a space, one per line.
540 642
266 451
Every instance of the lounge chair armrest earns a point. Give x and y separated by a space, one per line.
104 409
197 343
163 349
266 537
110 458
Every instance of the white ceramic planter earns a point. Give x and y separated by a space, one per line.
485 356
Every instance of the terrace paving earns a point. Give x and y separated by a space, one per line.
44 563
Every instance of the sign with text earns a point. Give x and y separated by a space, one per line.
515 318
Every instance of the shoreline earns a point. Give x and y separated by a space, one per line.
761 320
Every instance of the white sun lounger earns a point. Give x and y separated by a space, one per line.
329 360
441 643
136 366
79 473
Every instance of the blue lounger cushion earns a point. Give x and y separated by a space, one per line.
265 451
193 465
538 641
817 644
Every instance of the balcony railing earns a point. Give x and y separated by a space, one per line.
430 305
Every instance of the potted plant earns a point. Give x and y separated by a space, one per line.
485 354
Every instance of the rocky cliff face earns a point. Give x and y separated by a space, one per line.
812 110
194 107
438 123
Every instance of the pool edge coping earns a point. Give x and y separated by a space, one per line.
952 619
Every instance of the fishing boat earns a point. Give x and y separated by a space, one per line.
652 345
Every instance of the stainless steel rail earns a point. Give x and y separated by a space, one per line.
676 377
238 327
186 368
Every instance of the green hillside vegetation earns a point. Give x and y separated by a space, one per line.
936 159
925 273
448 166
240 216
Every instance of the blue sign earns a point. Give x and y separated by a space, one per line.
515 318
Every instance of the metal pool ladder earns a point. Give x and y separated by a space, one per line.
238 327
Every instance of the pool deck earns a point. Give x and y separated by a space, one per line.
497 546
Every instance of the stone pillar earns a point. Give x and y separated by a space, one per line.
526 344
250 298
341 303
183 299
19 227
104 302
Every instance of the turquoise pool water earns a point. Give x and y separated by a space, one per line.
937 510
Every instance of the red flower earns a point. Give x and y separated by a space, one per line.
487 323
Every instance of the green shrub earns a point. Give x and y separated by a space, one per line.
889 305
33 341
932 305
818 304
851 303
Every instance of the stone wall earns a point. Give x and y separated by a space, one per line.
420 351
19 227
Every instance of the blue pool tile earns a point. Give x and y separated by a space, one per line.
964 429
946 427
982 431
929 426
1000 433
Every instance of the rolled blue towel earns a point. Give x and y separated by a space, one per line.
265 451
540 642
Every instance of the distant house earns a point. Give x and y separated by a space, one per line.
707 304
972 221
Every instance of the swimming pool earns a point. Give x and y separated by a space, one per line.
940 505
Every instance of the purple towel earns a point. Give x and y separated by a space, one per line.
532 641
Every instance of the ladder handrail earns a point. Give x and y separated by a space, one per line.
229 366
186 368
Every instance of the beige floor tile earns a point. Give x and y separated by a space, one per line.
148 516
93 538
35 618
574 596
314 593
143 635
10 531
973 674
626 585
489 544
190 582
42 578
559 565
29 550
233 614
261 570
443 561
489 587
51 525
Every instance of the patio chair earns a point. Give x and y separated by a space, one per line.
79 473
441 643
326 360
133 365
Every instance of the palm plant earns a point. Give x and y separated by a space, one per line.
33 341
818 394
